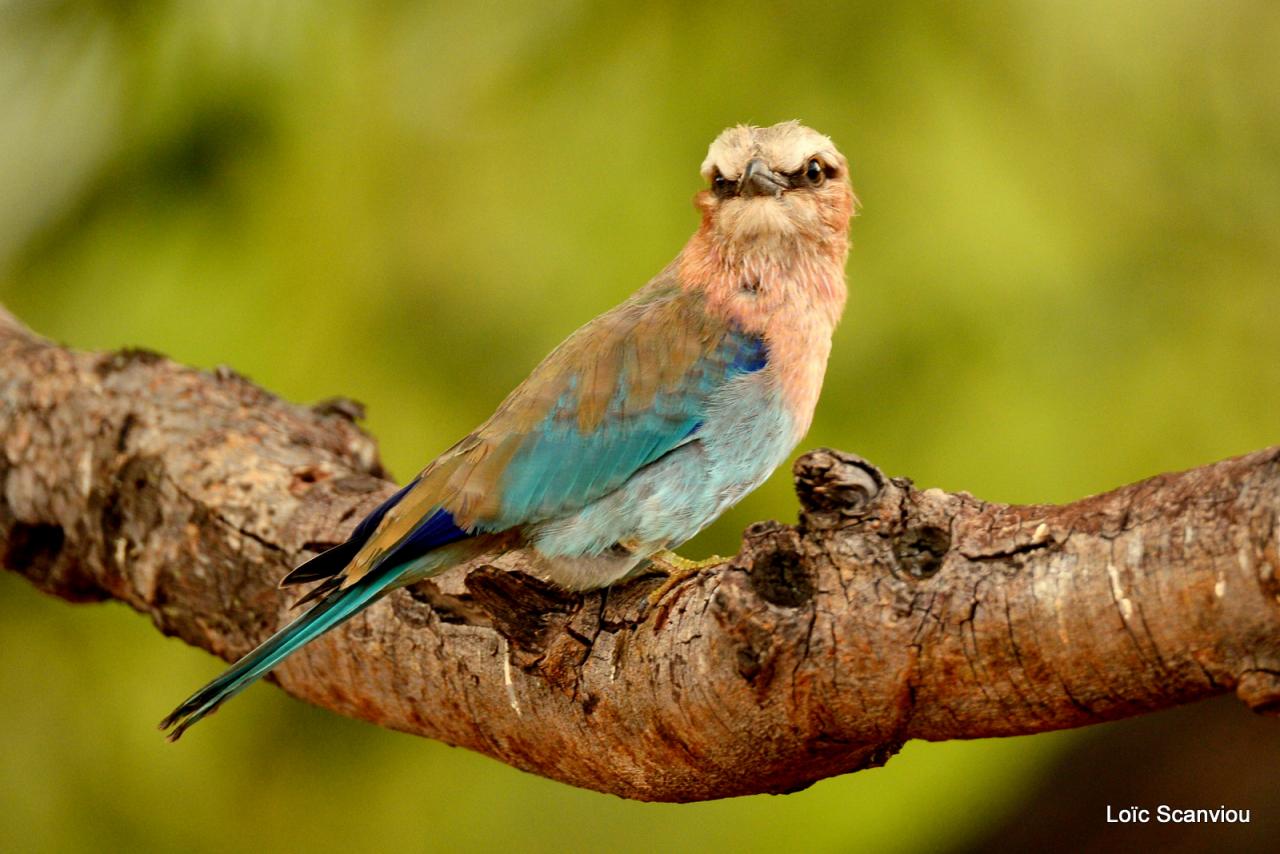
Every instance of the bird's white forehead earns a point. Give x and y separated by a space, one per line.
785 147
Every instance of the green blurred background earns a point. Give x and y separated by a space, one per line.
1065 277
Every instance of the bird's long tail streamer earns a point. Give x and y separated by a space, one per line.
325 615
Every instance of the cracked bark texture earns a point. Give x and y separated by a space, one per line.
887 613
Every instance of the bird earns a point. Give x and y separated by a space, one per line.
638 430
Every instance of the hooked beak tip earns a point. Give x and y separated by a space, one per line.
759 180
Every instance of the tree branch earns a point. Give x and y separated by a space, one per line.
888 613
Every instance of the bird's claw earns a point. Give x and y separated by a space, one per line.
677 569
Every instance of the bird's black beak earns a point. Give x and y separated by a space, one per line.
759 180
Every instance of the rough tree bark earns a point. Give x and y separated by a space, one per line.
887 613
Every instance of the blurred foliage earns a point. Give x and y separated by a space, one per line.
1064 278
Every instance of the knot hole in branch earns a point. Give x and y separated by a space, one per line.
921 550
833 484
777 569
526 610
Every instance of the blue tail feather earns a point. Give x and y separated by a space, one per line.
334 606
325 615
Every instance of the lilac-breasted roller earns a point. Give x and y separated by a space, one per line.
638 430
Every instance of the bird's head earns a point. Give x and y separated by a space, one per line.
779 189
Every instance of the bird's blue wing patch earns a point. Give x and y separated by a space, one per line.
559 468
333 561
438 529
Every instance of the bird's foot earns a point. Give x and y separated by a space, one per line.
677 569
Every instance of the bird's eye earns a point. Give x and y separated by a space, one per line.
721 185
814 173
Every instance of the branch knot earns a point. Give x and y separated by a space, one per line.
834 485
